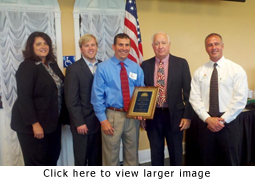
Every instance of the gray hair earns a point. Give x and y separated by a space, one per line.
160 32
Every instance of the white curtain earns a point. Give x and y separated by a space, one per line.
15 27
104 25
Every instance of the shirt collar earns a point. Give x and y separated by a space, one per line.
89 63
116 61
165 60
220 62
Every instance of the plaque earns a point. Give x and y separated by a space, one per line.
143 102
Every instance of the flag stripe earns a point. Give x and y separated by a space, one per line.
134 46
131 28
133 54
132 36
130 17
132 58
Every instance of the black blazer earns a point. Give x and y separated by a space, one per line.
37 99
178 85
78 85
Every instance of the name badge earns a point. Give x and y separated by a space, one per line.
133 76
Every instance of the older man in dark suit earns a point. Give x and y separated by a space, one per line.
173 111
85 126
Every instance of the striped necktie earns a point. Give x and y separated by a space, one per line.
124 86
214 93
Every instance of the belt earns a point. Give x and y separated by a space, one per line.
117 109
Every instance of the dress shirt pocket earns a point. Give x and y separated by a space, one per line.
204 79
131 82
224 81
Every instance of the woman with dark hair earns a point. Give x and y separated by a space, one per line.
39 109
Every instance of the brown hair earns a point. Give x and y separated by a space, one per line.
120 36
29 53
214 34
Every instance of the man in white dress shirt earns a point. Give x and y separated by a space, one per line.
219 131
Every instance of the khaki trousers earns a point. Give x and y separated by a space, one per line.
125 129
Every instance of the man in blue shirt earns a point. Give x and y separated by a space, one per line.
108 104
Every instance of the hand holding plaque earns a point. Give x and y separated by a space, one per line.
143 102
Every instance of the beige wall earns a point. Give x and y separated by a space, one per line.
188 22
67 26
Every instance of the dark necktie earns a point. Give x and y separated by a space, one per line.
214 93
124 86
161 84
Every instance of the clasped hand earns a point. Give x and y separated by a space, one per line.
215 124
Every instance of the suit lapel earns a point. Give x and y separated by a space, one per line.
57 71
85 68
151 70
44 71
171 69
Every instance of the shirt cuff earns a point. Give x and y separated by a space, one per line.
226 117
204 116
101 117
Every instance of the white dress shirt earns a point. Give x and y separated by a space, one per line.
233 89
92 66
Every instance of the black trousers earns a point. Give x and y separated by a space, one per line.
41 152
159 129
220 148
87 149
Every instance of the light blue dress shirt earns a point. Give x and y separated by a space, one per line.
106 90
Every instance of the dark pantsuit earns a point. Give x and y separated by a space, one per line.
41 152
159 129
38 102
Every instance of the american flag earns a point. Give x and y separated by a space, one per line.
131 28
